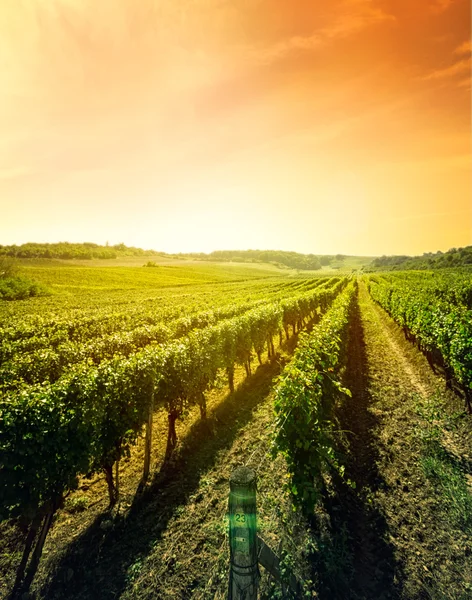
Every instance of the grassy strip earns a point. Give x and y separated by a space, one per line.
441 467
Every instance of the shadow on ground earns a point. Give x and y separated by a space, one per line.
354 561
99 563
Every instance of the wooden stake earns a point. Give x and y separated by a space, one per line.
33 529
148 439
38 550
244 570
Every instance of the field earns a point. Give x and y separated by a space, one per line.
130 394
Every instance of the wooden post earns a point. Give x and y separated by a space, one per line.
50 509
244 570
117 477
33 529
148 439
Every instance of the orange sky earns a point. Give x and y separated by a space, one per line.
195 125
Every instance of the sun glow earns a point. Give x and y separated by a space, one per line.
209 125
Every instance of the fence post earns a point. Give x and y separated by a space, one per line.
244 570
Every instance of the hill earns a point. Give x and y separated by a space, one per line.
90 251
292 260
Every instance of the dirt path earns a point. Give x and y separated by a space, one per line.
388 334
390 536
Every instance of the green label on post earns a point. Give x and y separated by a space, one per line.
240 527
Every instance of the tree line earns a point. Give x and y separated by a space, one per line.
293 260
455 257
70 251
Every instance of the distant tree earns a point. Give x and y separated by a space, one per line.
325 260
293 260
68 251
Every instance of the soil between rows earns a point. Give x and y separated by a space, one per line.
397 540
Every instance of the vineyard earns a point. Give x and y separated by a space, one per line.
129 394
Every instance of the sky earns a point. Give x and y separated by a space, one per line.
199 125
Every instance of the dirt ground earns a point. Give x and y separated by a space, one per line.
395 535
399 531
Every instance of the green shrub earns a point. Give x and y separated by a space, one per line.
19 288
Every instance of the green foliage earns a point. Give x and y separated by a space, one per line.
76 504
77 417
15 287
124 388
304 401
436 310
19 288
46 351
86 420
104 283
47 437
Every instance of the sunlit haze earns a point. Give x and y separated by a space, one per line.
196 125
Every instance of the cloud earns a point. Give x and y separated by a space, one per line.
439 6
267 55
458 68
465 83
350 18
464 48
354 16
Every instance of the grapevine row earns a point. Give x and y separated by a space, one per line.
452 287
143 320
441 329
52 320
305 398
81 324
49 364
